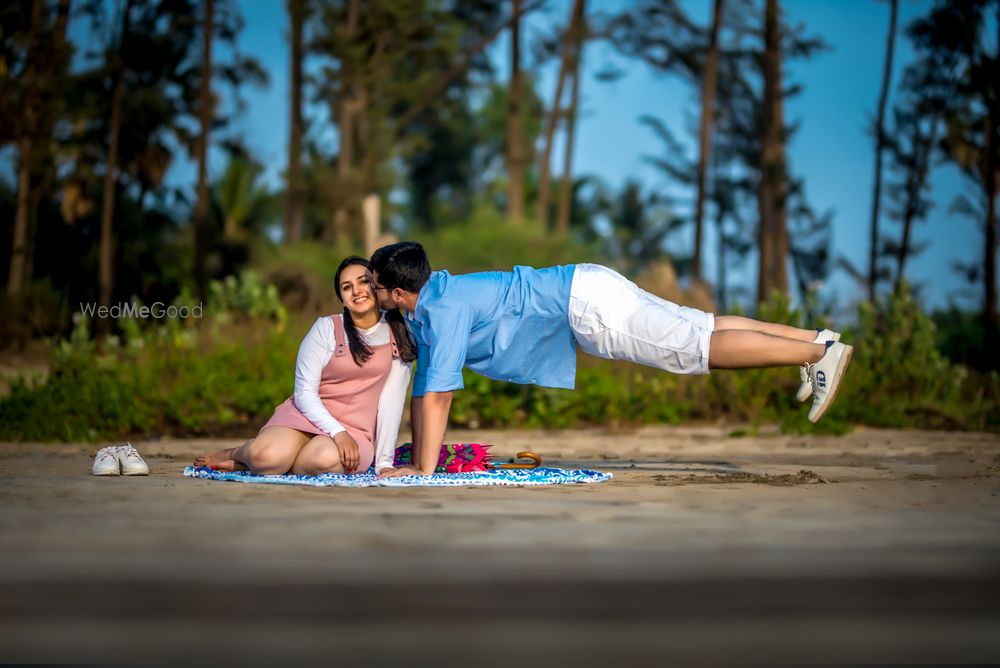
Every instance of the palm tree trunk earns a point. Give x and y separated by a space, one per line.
205 119
990 325
515 124
566 190
989 260
545 168
879 148
345 158
106 247
25 171
15 278
43 119
923 148
708 86
782 250
772 273
720 288
293 205
345 132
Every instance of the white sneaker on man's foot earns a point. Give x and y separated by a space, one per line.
825 376
806 388
106 462
131 462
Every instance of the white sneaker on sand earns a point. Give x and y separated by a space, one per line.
825 376
106 462
130 460
806 388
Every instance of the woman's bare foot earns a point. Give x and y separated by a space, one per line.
220 460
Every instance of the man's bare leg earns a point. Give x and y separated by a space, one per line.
728 322
747 349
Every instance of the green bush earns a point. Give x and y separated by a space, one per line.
900 378
229 371
172 376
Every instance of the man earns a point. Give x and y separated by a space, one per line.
524 327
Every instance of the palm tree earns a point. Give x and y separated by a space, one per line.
205 122
578 38
294 214
545 169
773 186
959 71
708 86
241 199
48 57
515 124
880 143
116 66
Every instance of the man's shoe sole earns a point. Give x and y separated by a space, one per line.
802 395
845 359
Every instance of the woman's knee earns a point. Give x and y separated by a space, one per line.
320 455
269 457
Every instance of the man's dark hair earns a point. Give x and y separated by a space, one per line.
403 265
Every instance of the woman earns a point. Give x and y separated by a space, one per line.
351 376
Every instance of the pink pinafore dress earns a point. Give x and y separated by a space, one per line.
349 392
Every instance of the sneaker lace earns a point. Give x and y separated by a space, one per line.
128 451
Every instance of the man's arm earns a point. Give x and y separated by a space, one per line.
434 408
416 424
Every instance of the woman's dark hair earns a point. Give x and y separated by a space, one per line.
361 351
404 338
402 265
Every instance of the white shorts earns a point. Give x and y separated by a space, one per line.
614 318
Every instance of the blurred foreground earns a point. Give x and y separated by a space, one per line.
880 546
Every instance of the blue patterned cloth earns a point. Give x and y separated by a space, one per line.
491 478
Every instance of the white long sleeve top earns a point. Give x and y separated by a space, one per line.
314 354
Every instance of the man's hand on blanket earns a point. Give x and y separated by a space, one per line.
401 471
348 449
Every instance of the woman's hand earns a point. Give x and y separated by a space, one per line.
348 449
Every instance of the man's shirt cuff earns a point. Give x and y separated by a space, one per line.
438 381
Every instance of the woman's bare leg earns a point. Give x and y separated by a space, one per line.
221 460
319 455
273 451
728 322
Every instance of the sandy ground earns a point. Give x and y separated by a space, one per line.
878 546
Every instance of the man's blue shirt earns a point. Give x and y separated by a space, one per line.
511 326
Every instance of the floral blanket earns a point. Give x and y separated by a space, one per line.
487 478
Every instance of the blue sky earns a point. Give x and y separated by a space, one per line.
831 150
